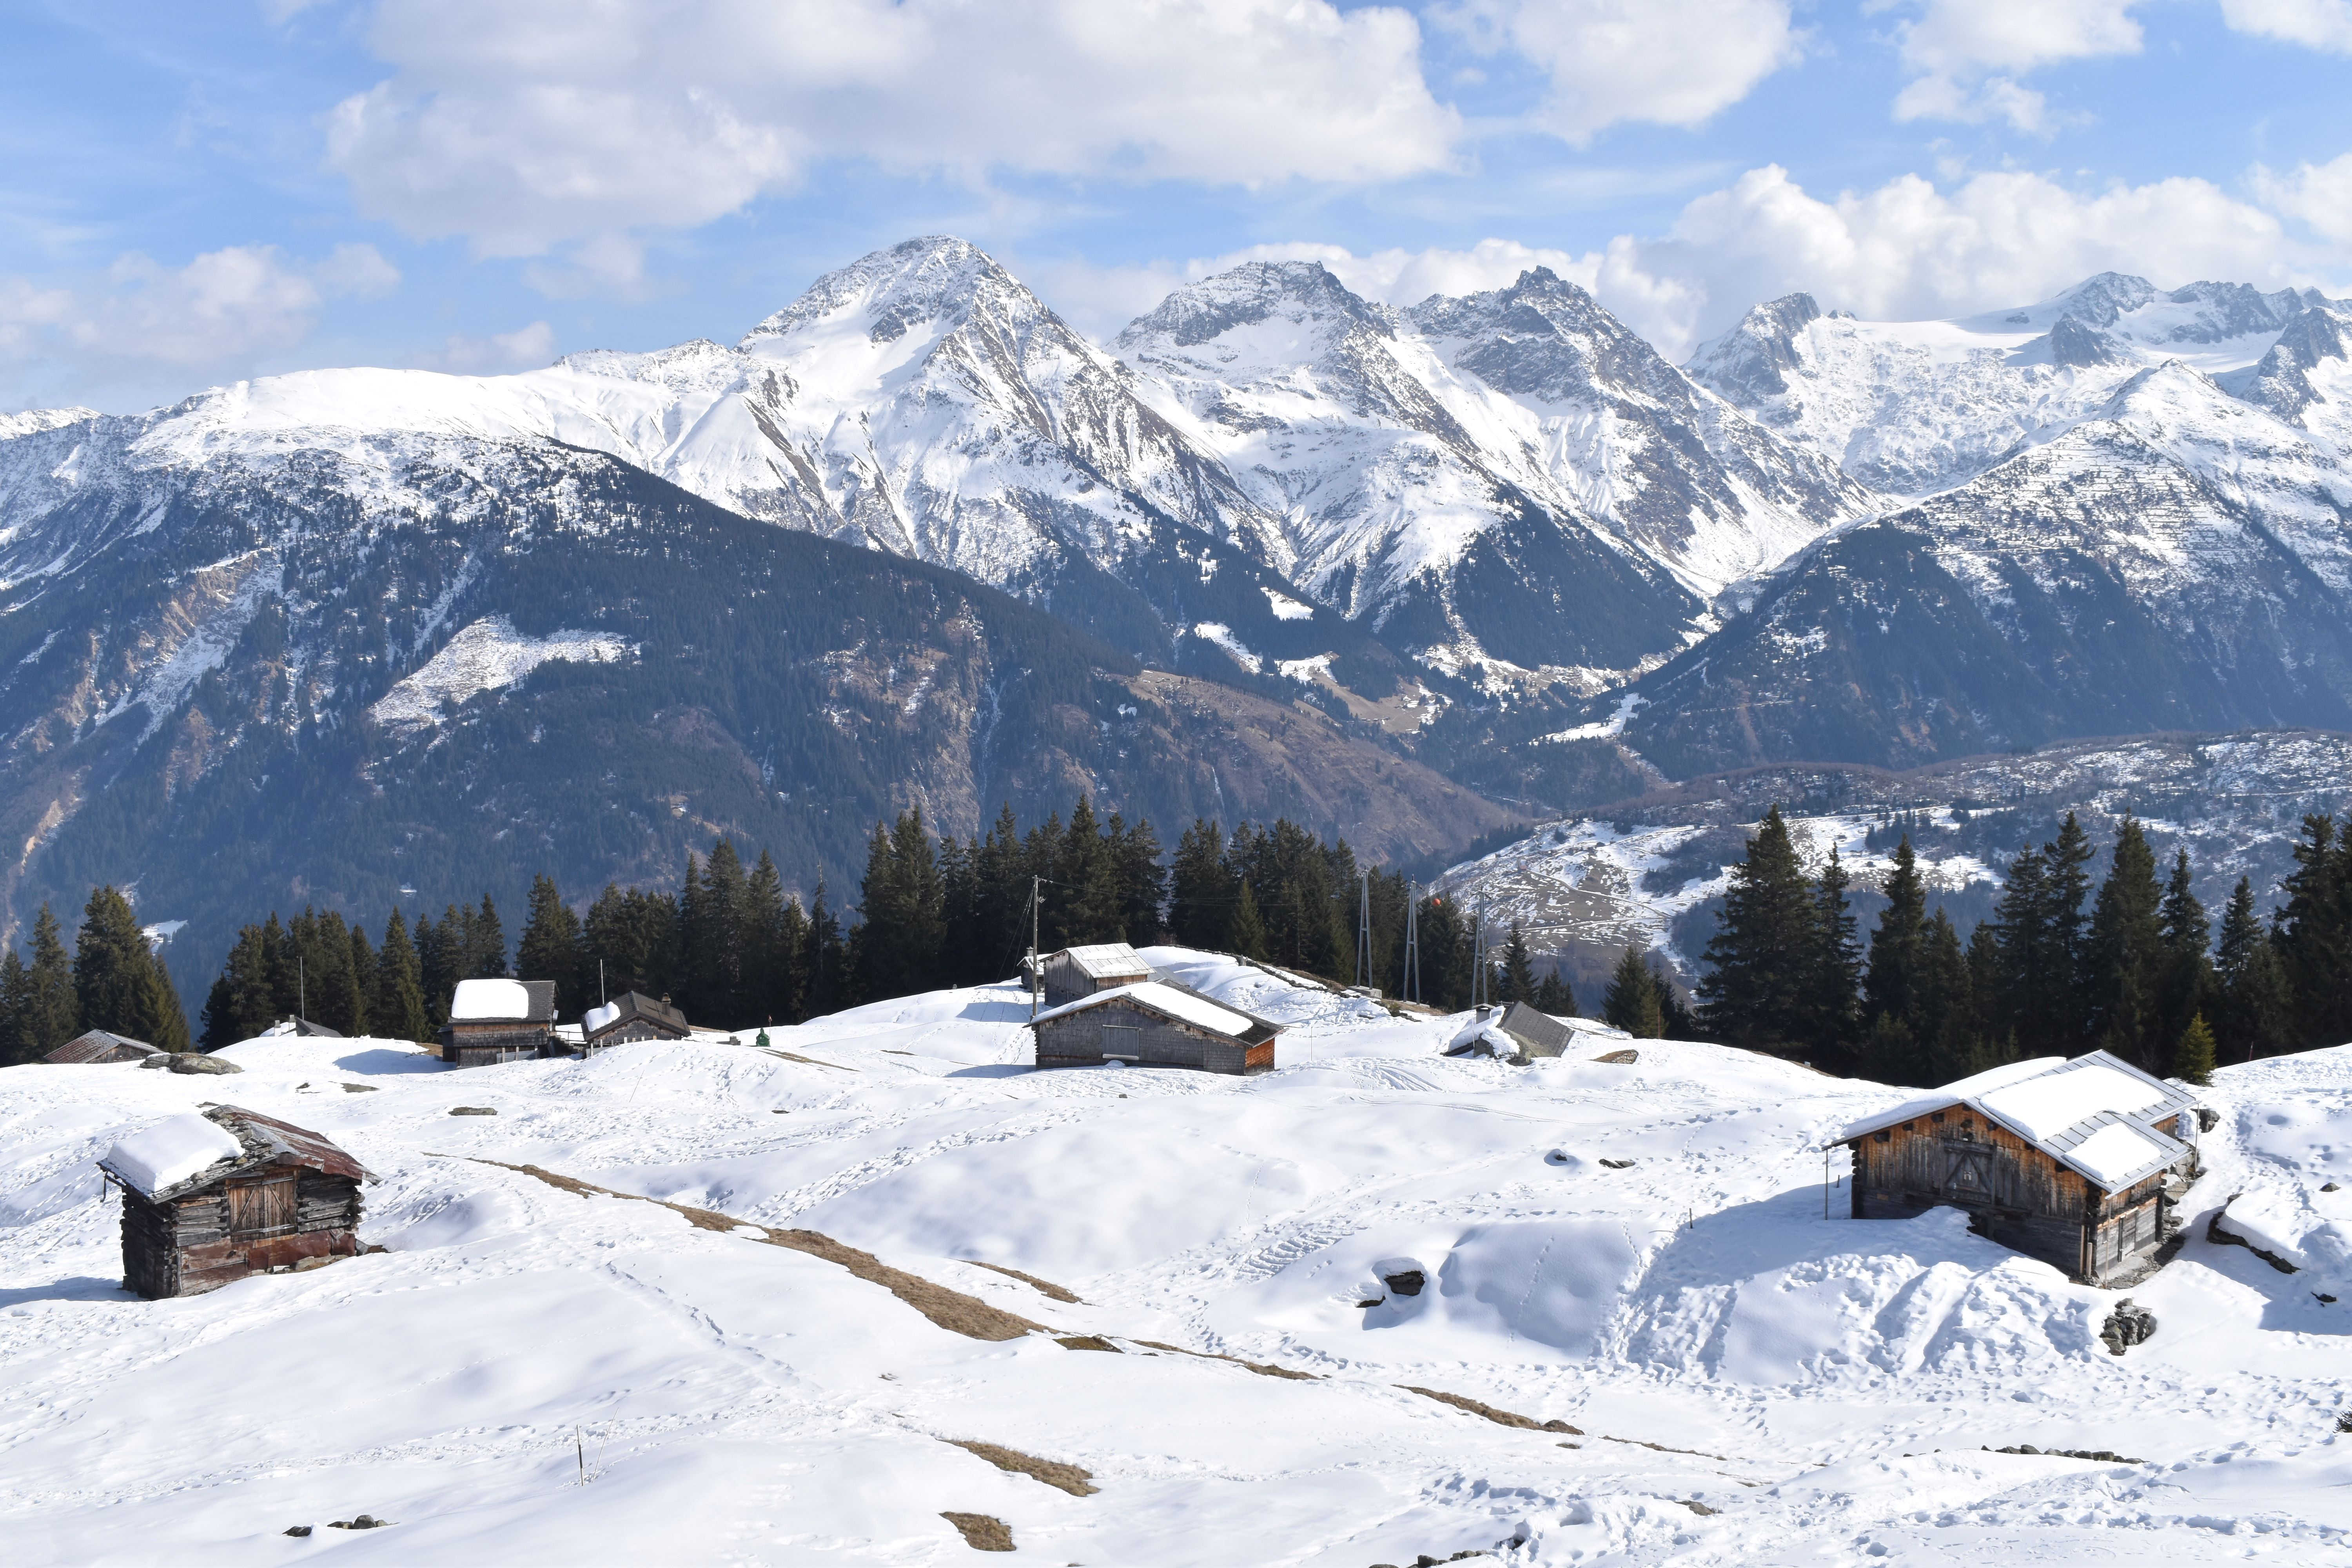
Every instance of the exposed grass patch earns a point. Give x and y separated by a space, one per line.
1501 1418
1043 1287
1066 1478
980 1531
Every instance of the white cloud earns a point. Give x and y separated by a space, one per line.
2316 23
539 124
1966 55
218 314
1668 62
2319 194
525 348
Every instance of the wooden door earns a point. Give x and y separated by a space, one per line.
1967 1171
264 1207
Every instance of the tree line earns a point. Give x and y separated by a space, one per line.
2134 969
112 980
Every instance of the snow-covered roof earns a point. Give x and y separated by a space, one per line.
503 1001
170 1152
633 1005
2095 1114
596 1018
1174 1002
1105 960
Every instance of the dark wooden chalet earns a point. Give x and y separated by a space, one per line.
1076 971
2063 1160
493 1021
1156 1023
97 1047
211 1198
632 1017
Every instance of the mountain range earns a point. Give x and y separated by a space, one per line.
1408 575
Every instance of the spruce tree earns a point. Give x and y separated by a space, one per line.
771 948
1555 995
1836 968
1086 903
1677 1022
1202 890
1631 1002
2192 1056
244 998
2313 934
53 1008
1142 886
15 1011
485 943
398 1012
1246 932
440 962
117 982
2186 988
827 962
2255 1006
1891 988
1948 1024
1518 978
1764 957
551 947
2124 956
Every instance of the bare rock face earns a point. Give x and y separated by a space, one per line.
2126 1326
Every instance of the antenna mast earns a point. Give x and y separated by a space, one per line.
1364 932
1036 977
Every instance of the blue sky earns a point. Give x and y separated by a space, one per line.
194 194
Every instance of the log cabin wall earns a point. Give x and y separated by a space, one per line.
1118 1030
190 1245
2018 1196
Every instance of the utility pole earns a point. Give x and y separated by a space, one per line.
1411 977
1364 932
1036 977
301 988
1480 993
600 998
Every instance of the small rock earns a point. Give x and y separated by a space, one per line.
1620 1059
1405 1284
297 1530
189 1061
364 1521
2344 1422
1697 1507
2325 1300
1561 1426
2332 1187
473 1111
1619 1164
2126 1326
361 1088
1373 1302
160 1060
2207 1119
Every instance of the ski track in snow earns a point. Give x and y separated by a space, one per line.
1828 1386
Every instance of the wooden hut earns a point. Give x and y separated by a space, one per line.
2063 1160
1076 971
1536 1034
97 1047
493 1021
211 1198
630 1016
1155 1024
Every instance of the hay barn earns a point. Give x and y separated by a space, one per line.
632 1017
493 1021
98 1047
1078 971
211 1198
2075 1163
1155 1024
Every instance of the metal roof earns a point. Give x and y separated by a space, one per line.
1178 1003
632 1005
95 1046
1980 1093
1104 959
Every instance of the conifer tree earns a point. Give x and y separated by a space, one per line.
2312 934
2192 1056
771 948
244 998
363 1018
1764 956
1631 1002
551 947
399 1012
1246 932
1835 968
827 962
15 1005
53 1008
2186 988
1555 995
1202 890
2255 1006
118 984
1677 1022
1891 988
1086 903
2124 957
1141 885
1517 977
440 962
485 944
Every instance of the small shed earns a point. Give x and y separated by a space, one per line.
97 1047
631 1016
1518 1035
2063 1160
1159 1024
1076 971
493 1021
211 1198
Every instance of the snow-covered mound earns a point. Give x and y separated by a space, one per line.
1739 1373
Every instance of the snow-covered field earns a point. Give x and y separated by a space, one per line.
1748 1381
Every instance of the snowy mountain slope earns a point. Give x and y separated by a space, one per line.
1742 1379
1498 476
382 677
1914 407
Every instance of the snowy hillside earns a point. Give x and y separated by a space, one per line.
1125 1320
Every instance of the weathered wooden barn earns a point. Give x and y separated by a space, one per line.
493 1021
97 1045
632 1017
1076 971
211 1198
2064 1160
1157 1024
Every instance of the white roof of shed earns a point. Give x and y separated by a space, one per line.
2095 1114
489 1001
170 1152
1197 1011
